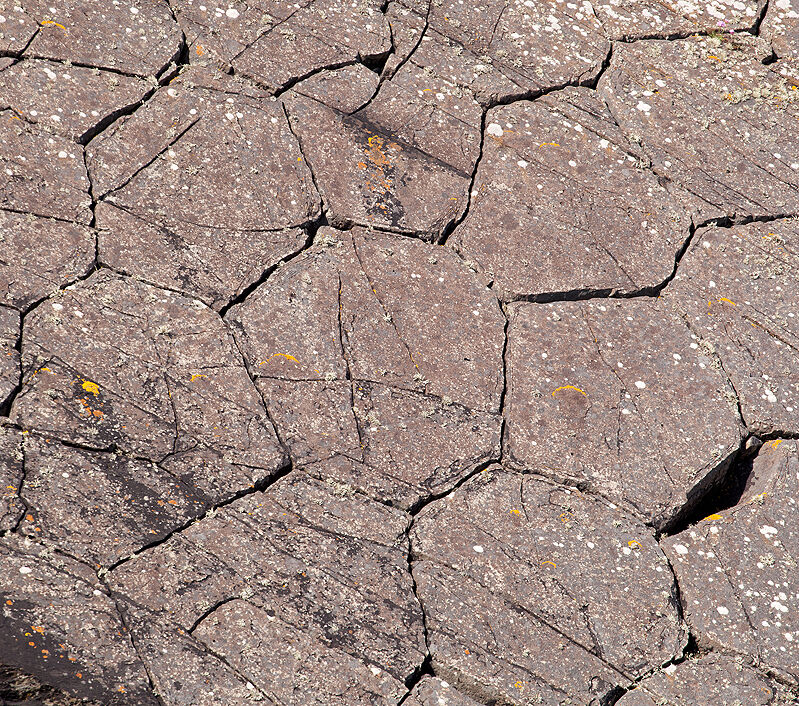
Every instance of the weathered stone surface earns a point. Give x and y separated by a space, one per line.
319 576
618 396
99 506
713 679
637 19
20 688
9 355
129 36
432 691
781 28
40 255
68 100
60 625
563 202
344 90
17 28
115 363
381 353
737 568
277 43
11 472
713 119
535 594
737 289
208 162
41 174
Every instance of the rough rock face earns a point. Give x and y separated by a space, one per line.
519 581
9 355
737 568
781 28
11 472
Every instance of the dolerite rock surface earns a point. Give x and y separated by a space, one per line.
9 355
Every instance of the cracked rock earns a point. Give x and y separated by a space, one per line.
380 359
520 581
562 203
60 625
432 691
9 355
713 679
737 289
344 90
617 396
39 256
118 364
11 474
276 43
208 162
781 28
320 578
713 119
737 568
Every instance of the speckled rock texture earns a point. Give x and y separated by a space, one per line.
399 353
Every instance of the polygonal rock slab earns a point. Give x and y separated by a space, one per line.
116 363
616 395
380 360
199 161
345 89
713 119
319 576
637 19
737 289
11 473
781 28
130 36
277 43
60 625
9 355
712 679
68 100
100 506
41 174
40 255
534 593
737 569
562 202
432 691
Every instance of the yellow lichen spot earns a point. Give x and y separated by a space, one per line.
549 144
38 628
197 375
552 563
519 685
713 56
514 511
92 387
287 356
776 443
51 22
634 544
569 387
564 517
714 516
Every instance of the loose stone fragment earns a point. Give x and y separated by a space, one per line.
564 203
68 100
534 593
11 472
100 506
432 691
276 43
199 161
41 174
737 289
641 19
40 255
713 119
9 355
617 396
383 354
119 364
737 568
322 579
129 36
712 679
59 625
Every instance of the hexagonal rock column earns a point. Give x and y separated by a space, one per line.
712 679
563 202
639 19
713 119
9 355
277 43
736 288
737 569
617 395
379 358
11 473
303 590
207 155
59 624
115 364
129 36
534 593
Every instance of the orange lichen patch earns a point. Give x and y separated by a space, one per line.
90 386
514 511
774 444
549 144
38 628
634 544
287 356
51 22
720 300
714 516
565 517
197 375
199 50
29 517
569 387
97 413
552 563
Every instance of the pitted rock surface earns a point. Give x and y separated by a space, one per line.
519 580
737 568
398 353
